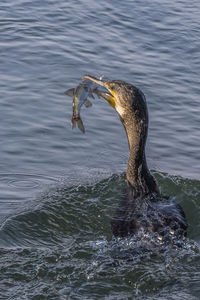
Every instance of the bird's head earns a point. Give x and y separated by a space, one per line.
125 98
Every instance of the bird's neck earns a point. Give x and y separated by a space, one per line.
139 178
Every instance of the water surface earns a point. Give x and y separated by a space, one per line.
58 188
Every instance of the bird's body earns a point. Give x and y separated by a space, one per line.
141 207
148 215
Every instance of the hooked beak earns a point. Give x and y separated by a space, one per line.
109 96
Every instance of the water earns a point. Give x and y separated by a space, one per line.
58 191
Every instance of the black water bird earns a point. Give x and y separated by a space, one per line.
141 208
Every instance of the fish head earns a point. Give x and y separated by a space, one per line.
108 94
122 96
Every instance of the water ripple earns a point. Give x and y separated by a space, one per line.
55 235
26 181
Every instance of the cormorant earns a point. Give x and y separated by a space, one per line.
141 208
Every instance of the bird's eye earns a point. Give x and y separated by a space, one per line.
112 87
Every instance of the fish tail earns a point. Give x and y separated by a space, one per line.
77 121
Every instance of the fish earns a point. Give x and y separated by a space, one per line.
80 94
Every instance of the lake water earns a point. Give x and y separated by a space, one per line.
58 187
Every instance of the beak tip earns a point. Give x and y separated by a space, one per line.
83 77
86 76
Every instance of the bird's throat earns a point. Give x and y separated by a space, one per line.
138 176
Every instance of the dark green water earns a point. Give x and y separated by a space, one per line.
59 188
61 247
